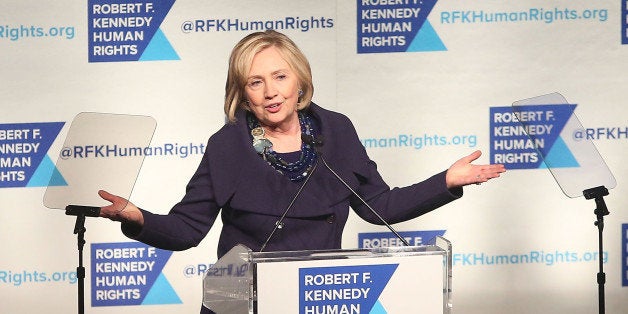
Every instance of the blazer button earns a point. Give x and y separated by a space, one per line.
331 219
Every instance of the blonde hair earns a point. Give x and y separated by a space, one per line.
240 65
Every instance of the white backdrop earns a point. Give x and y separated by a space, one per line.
483 54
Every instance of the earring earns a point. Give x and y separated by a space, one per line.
300 92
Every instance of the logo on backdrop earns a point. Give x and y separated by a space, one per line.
523 139
129 273
396 26
23 155
128 30
369 240
624 255
343 289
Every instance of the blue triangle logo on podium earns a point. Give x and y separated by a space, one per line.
559 156
159 48
161 293
426 39
46 174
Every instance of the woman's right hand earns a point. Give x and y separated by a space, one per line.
120 209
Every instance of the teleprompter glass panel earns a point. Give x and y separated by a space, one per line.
558 136
101 151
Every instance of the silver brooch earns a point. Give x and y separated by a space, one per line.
260 143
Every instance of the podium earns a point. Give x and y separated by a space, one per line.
409 279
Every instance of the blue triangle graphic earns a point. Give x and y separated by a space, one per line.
378 308
161 293
159 48
46 174
426 39
559 156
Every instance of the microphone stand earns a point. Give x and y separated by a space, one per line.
279 223
402 239
317 143
600 211
79 229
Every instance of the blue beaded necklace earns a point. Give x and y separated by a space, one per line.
297 170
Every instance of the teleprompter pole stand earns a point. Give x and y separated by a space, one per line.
598 194
79 229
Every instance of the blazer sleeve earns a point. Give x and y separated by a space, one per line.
188 221
394 205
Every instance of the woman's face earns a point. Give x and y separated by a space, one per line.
272 89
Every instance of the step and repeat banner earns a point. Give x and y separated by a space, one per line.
424 82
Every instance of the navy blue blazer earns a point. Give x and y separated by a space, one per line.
234 181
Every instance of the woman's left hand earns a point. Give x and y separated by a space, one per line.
462 172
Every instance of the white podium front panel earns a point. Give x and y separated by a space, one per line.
355 285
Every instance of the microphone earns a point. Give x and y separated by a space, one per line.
317 143
279 223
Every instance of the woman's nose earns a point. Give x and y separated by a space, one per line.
270 91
